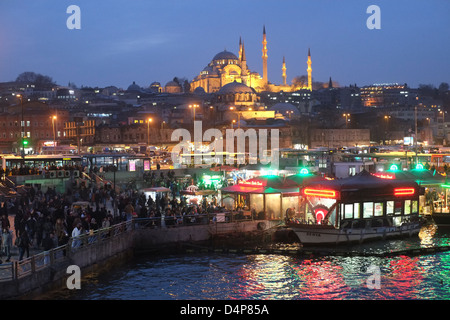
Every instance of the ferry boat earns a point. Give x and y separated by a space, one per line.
356 209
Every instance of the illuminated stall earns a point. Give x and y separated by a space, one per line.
266 197
195 196
435 197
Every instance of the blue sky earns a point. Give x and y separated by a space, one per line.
145 41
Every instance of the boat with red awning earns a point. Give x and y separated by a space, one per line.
356 209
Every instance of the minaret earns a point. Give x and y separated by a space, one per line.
240 48
264 55
309 71
283 69
244 70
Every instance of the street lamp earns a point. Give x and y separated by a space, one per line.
290 112
54 133
387 126
193 106
232 124
148 130
22 124
346 115
239 116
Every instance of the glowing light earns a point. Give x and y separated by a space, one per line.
404 191
304 171
419 166
382 175
251 183
393 167
325 193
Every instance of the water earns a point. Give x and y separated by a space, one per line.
278 277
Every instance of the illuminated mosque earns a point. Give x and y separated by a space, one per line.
226 67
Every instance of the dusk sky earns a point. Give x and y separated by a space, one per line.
145 41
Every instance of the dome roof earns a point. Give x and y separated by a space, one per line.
199 90
283 107
225 55
172 84
134 87
235 87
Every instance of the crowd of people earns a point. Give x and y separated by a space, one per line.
45 220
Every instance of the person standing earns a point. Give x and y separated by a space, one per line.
23 243
76 232
7 243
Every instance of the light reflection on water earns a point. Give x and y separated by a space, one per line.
278 277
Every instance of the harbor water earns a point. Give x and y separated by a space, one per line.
226 276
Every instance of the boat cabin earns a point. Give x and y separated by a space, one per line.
361 201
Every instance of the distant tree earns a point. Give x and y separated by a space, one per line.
443 87
40 81
186 86
427 89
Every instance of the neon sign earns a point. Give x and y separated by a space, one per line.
404 191
393 167
384 175
251 183
324 193
304 171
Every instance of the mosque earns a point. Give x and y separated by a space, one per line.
226 67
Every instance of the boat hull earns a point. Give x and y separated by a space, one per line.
317 235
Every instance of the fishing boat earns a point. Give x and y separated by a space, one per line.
356 209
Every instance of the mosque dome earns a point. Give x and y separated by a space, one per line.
199 90
235 87
172 87
283 107
134 87
225 55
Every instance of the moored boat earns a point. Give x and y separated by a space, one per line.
357 209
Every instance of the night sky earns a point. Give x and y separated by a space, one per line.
145 41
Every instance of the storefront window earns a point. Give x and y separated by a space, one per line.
273 206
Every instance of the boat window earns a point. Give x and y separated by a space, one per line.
389 207
356 211
367 209
398 207
407 206
348 213
397 221
378 212
414 207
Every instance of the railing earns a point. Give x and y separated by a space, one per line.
195 219
19 269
